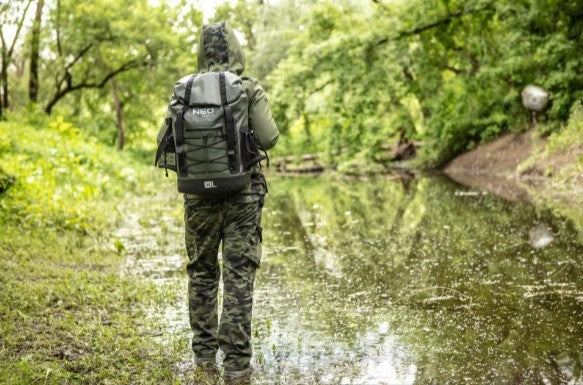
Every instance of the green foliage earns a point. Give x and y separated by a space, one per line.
571 135
344 77
164 53
142 46
61 176
447 73
561 157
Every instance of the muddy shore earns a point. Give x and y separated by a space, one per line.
515 168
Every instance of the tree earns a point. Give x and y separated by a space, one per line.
12 15
95 43
34 52
119 115
92 53
444 72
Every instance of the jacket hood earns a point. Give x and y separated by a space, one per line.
219 50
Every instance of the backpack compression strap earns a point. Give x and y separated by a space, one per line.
179 128
229 124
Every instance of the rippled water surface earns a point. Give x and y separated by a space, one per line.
382 281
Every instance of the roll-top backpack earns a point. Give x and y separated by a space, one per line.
209 135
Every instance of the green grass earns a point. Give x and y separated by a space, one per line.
571 134
67 315
60 176
566 143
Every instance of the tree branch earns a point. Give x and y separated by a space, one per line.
3 43
418 30
18 28
58 29
66 75
453 69
380 4
85 84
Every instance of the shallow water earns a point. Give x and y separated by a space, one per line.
380 281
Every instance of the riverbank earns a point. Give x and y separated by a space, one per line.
528 166
69 312
521 159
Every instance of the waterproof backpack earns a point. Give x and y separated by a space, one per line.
208 132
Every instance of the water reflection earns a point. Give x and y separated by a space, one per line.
377 281
380 281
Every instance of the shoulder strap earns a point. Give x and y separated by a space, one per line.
229 123
179 127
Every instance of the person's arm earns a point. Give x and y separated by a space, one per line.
260 118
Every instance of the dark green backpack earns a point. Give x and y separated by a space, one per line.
208 132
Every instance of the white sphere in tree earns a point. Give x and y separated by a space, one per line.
534 98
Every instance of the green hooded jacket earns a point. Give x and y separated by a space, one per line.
219 51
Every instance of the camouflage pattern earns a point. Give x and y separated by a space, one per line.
214 44
219 50
235 221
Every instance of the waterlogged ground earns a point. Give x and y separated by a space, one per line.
390 281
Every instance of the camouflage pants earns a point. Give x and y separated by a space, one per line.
238 225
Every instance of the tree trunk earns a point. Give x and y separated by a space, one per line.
34 53
119 116
1 96
2 65
4 75
7 51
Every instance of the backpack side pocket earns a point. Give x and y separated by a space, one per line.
166 147
249 150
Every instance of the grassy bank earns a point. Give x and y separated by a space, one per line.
553 174
67 315
560 159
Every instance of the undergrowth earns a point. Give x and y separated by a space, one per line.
60 176
67 315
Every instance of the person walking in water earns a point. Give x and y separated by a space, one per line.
216 123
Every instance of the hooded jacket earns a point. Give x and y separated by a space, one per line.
220 51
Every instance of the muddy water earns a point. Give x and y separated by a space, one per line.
384 281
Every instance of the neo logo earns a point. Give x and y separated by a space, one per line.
209 184
203 111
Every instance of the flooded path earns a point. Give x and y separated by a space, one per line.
380 281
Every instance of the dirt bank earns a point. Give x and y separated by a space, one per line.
514 164
500 157
524 166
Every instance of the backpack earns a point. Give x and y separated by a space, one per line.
208 132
